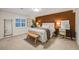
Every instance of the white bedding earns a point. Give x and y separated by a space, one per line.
42 33
49 26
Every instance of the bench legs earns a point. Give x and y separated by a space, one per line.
35 40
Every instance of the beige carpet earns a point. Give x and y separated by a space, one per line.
18 43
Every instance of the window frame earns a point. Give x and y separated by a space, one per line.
20 22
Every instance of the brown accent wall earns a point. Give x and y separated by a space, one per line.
66 15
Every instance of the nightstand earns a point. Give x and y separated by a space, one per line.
56 32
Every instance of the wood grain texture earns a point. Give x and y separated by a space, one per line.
66 15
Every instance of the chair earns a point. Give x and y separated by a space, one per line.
62 32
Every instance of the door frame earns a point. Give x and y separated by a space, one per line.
11 27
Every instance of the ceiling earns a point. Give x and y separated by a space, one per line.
29 13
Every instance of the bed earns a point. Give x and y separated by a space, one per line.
45 32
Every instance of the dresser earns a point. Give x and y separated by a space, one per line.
71 34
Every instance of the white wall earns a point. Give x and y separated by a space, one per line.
1 28
77 25
16 30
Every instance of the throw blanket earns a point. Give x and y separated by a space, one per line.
47 31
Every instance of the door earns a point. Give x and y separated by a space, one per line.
7 27
1 28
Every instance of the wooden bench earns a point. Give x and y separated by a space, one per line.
34 36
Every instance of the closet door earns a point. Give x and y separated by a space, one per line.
7 27
1 28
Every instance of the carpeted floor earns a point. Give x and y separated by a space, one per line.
18 43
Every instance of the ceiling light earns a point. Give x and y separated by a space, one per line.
36 9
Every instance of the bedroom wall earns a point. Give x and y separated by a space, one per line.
66 15
77 25
16 30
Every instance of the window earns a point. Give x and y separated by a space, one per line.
65 24
20 22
